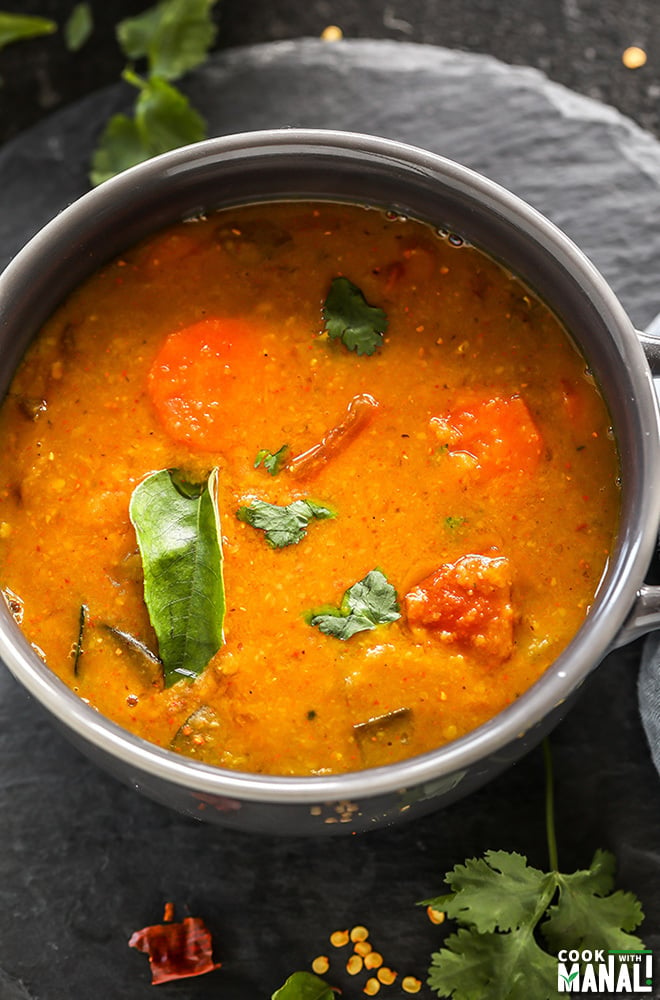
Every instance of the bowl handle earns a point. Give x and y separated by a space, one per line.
650 341
645 614
644 617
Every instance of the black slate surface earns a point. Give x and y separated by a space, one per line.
85 861
576 42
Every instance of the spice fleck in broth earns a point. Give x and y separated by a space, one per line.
303 489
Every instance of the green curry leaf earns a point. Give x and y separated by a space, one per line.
283 525
178 531
349 317
368 603
304 986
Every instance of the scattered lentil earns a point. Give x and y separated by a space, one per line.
332 33
359 933
411 985
320 965
386 975
339 938
435 916
373 960
634 57
371 987
354 965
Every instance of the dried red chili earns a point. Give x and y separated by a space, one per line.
176 950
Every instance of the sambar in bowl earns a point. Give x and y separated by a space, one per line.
309 487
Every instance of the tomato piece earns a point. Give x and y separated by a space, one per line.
499 433
201 375
469 602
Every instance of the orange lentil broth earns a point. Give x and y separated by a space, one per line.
486 473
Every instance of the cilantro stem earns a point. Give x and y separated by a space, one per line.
130 76
550 807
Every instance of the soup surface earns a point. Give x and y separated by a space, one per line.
447 455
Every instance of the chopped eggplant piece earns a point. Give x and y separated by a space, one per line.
148 665
200 736
15 604
129 569
78 650
31 406
376 737
252 242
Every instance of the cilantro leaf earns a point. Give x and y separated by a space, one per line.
304 986
174 36
78 27
16 27
499 891
510 966
370 602
349 317
502 901
341 626
272 462
283 525
589 915
121 146
163 120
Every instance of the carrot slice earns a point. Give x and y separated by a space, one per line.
500 433
201 375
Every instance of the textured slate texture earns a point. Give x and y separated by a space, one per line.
85 861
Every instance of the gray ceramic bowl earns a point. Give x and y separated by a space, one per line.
340 166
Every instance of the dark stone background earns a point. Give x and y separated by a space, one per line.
576 42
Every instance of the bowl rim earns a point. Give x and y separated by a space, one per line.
612 604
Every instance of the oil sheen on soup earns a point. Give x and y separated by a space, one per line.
302 488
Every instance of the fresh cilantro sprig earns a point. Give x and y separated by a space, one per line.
162 120
78 27
304 986
370 602
506 910
272 461
283 525
172 38
349 317
16 27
